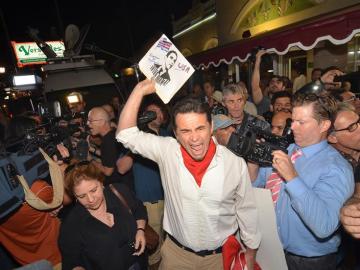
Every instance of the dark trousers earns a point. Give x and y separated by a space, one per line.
295 262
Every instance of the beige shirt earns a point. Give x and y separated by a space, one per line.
200 218
299 82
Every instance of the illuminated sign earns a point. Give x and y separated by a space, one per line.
28 53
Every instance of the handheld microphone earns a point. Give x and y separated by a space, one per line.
147 117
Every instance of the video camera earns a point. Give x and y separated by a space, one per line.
59 128
22 157
257 145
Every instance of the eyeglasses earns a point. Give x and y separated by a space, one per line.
351 128
76 165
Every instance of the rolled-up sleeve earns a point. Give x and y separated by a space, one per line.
246 209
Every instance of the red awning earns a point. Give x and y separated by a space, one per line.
338 29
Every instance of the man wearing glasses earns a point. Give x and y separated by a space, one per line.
350 98
309 185
345 137
99 123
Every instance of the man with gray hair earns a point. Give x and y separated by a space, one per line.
234 99
345 137
100 124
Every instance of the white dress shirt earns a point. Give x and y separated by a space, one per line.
200 218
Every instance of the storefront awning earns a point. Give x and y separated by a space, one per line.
338 29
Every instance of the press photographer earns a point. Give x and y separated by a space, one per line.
252 138
309 185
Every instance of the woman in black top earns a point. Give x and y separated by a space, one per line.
100 232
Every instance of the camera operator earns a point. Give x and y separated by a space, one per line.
309 185
28 234
234 99
100 124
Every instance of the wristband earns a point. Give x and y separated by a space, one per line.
140 229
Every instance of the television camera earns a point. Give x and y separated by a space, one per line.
256 145
22 157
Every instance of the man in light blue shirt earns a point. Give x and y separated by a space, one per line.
314 187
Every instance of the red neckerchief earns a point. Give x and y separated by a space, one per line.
198 168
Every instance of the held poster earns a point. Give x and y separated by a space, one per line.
164 64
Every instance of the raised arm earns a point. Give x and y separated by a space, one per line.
130 111
256 92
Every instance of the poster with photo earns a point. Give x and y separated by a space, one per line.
167 67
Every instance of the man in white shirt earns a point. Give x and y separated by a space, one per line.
208 194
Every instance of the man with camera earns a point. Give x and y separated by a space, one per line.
207 193
309 185
234 99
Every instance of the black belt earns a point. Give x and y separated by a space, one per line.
201 253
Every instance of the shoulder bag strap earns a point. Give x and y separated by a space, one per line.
120 197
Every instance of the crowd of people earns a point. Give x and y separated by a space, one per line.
177 174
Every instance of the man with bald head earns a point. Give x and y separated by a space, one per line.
278 122
99 123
